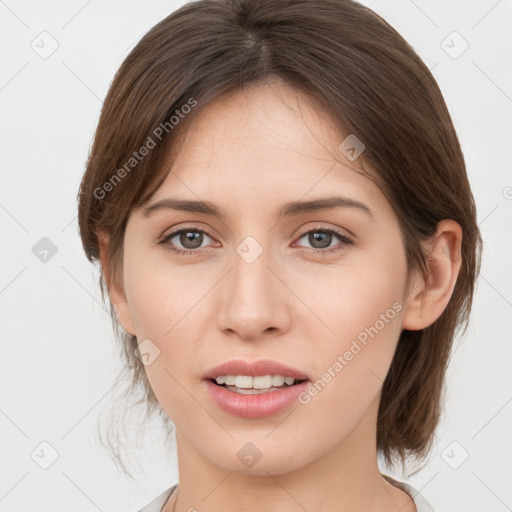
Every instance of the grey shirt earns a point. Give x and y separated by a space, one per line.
421 503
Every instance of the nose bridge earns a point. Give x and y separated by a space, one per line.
251 276
253 303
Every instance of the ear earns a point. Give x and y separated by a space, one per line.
115 289
427 300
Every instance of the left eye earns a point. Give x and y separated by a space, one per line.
321 239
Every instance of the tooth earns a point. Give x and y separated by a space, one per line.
258 382
252 391
262 382
243 381
277 380
230 380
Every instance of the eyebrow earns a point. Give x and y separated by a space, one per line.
289 209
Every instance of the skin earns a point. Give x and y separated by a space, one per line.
250 152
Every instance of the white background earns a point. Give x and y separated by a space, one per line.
58 359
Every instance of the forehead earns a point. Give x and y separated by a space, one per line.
266 120
266 144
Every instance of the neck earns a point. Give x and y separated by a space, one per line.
347 477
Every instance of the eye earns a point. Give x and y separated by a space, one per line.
321 239
190 239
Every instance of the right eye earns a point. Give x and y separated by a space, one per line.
190 238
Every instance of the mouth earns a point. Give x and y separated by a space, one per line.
254 389
260 396
248 385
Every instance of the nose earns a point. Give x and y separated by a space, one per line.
254 301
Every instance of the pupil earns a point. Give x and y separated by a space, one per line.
316 236
196 239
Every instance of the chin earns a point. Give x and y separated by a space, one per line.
261 456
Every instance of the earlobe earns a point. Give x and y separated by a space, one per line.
115 290
428 299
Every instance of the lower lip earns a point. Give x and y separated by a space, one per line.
254 406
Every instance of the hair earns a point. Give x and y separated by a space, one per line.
345 57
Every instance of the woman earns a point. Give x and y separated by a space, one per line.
280 206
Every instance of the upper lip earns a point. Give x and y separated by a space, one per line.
254 369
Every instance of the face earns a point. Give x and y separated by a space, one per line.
319 290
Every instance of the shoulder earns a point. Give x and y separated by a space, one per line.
422 505
157 504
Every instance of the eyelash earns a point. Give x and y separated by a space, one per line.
194 252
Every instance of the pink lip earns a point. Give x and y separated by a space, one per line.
254 406
254 369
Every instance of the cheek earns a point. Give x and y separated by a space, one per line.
360 302
360 311
351 367
168 307
159 295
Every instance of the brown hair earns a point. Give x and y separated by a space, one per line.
345 57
